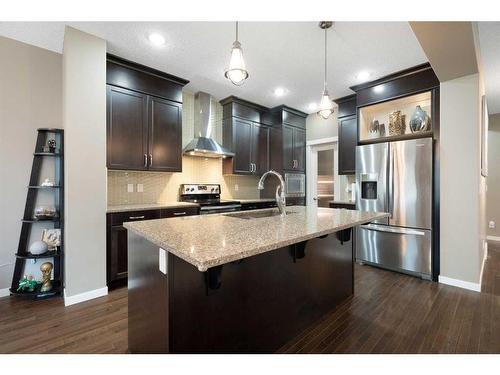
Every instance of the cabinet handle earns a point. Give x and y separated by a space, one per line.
179 213
136 217
145 160
150 160
254 167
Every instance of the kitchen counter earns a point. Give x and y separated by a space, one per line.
255 200
226 238
148 206
263 281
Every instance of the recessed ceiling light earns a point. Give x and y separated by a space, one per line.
279 91
363 76
156 39
312 106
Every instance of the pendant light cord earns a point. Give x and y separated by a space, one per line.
326 54
236 30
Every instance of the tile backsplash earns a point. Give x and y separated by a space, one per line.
160 187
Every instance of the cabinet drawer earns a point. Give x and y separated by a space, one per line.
179 211
119 218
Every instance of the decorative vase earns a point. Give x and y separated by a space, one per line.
397 125
420 121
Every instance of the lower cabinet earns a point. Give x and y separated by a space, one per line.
347 206
117 241
257 205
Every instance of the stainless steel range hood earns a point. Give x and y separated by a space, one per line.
203 144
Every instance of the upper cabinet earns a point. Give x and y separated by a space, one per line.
348 134
144 117
400 106
263 138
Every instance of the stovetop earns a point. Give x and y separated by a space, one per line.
204 195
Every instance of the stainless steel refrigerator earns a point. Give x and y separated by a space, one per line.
396 177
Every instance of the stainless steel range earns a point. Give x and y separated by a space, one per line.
208 197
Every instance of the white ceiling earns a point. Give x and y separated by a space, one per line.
489 40
277 54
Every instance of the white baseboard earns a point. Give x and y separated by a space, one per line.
4 292
82 297
460 283
493 238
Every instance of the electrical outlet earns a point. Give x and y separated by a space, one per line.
492 225
236 187
140 188
130 188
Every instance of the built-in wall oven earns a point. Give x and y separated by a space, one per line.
295 184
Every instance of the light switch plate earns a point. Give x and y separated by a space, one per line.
236 187
140 188
162 260
492 224
130 188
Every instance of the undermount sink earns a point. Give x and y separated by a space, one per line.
256 214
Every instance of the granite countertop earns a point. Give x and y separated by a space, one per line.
255 200
148 206
225 239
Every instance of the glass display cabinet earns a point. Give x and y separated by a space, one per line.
408 117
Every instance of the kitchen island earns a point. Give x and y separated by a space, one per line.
242 282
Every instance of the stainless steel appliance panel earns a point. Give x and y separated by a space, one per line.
295 185
371 178
400 249
410 183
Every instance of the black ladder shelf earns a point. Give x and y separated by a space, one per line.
23 254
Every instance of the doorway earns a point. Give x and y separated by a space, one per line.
322 174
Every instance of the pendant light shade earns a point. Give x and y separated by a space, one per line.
326 104
237 72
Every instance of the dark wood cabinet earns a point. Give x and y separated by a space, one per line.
348 140
250 143
348 134
117 239
144 117
347 206
165 135
127 129
294 149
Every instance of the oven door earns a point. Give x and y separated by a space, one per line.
206 210
295 185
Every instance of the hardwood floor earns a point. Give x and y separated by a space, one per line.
388 313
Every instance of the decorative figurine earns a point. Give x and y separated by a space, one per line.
381 130
420 121
46 269
52 145
27 284
38 247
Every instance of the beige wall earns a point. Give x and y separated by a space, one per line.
164 187
493 194
84 117
30 98
317 127
461 184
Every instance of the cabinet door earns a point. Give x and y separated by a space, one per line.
260 148
117 268
165 135
276 150
242 143
288 157
299 149
348 139
127 129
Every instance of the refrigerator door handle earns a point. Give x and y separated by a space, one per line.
390 196
385 229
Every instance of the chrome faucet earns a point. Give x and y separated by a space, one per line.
280 190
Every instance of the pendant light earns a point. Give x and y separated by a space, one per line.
326 104
236 72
